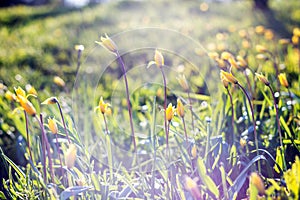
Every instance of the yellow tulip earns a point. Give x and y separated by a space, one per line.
228 77
170 112
108 44
256 180
241 61
180 108
26 105
226 55
52 126
20 92
263 79
159 59
282 79
59 81
260 48
50 100
192 187
70 156
183 82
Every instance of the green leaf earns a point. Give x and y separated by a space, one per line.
209 183
72 191
2 196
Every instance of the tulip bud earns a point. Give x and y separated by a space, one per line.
228 77
159 59
52 126
170 112
256 180
263 79
70 156
192 187
50 100
108 44
180 108
282 79
59 81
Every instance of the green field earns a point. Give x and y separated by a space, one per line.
135 147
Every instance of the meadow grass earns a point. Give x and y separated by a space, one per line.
217 143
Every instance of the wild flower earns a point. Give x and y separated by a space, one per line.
10 96
26 105
192 187
226 55
194 151
261 49
102 107
59 81
170 111
256 180
228 77
52 125
263 79
241 61
108 44
54 100
259 29
30 89
70 156
50 100
180 108
282 79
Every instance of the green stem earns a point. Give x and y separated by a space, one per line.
253 121
27 134
232 114
128 99
63 121
47 147
191 109
184 127
165 108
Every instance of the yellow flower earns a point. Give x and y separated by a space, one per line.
226 55
263 79
10 96
282 79
233 63
30 89
295 39
228 77
221 63
180 108
261 57
183 82
194 151
246 44
269 35
243 142
50 100
259 29
59 81
52 126
192 187
26 105
70 156
243 33
20 92
260 48
103 107
159 59
213 55
170 112
241 61
256 180
108 44
224 81
296 32
284 41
